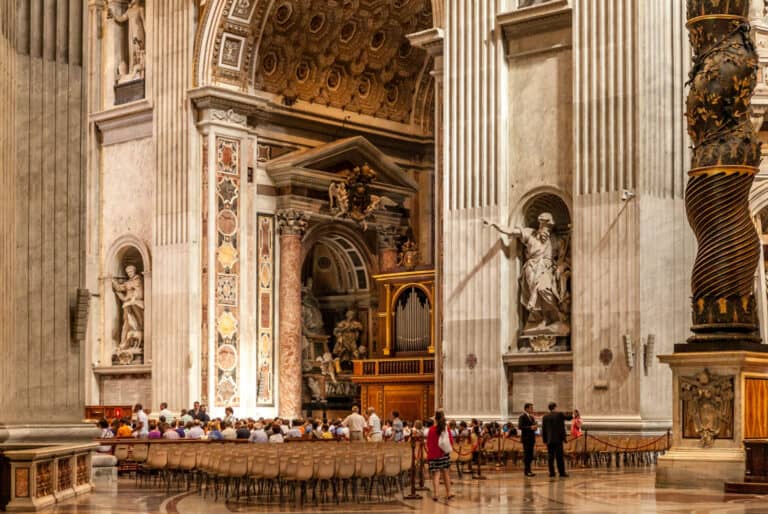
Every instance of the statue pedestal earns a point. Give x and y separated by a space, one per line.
129 91
732 381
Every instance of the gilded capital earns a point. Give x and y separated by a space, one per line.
292 222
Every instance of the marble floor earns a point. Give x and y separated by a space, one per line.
585 491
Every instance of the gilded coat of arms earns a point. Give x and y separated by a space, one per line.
353 198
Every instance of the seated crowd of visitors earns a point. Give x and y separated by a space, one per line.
196 423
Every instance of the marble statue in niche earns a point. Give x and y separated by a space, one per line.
131 66
346 334
545 285
311 317
130 294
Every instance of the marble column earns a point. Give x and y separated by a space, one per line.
387 236
292 224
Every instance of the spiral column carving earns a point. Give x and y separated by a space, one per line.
726 156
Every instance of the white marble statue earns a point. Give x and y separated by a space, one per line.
328 366
130 292
133 16
311 316
544 291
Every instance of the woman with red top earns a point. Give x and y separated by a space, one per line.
576 424
439 442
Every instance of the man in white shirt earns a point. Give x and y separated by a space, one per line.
168 415
374 423
142 423
356 424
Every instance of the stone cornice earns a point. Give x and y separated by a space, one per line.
266 108
430 40
528 21
125 122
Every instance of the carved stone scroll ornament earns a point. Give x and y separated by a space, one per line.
708 404
229 116
292 222
726 156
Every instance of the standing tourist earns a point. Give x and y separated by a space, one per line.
576 424
439 446
167 414
355 423
374 423
229 416
397 427
553 433
141 430
527 425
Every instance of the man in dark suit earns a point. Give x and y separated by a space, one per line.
553 433
527 425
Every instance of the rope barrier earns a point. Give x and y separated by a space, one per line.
516 440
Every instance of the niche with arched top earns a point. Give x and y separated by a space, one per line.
544 302
126 303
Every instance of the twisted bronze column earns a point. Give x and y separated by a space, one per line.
726 156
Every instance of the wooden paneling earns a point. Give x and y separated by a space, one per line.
412 401
755 408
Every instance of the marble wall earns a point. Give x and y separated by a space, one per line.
587 105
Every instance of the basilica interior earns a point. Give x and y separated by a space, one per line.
293 209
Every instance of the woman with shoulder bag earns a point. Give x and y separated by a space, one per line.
439 446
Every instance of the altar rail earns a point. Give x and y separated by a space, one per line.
33 477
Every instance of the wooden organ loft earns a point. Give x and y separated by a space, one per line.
400 374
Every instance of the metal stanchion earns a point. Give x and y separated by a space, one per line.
479 475
421 486
413 495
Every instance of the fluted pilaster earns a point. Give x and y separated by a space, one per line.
176 274
474 186
41 211
630 246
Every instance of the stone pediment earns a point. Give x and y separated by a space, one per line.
315 168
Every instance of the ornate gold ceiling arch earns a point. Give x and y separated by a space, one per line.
350 55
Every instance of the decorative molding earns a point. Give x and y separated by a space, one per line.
124 123
229 116
129 369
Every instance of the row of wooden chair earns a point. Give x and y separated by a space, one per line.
258 471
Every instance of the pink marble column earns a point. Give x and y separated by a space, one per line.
387 248
292 225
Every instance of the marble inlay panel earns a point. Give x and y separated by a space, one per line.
266 291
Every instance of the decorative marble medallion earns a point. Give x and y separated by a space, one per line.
226 357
